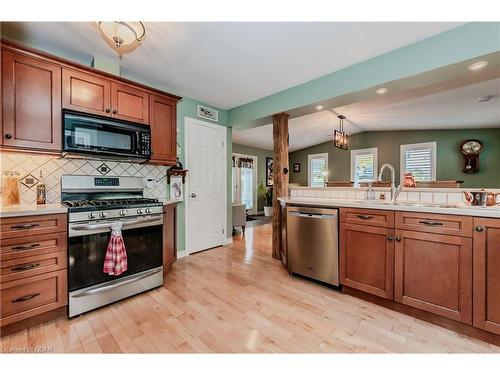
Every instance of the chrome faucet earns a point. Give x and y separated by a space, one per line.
394 190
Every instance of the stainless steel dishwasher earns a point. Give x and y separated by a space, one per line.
312 240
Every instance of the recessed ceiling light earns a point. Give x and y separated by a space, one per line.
381 91
319 107
482 99
478 65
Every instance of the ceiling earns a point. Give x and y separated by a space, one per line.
229 64
452 109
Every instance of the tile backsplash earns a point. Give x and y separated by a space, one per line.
53 167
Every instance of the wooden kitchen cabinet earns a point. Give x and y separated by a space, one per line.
86 92
31 95
367 258
169 237
129 103
433 272
163 123
487 274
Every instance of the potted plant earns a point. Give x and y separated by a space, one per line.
266 195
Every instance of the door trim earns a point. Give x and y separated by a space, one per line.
188 123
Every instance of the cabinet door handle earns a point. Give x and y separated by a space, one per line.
25 267
398 238
24 226
430 222
8 136
114 111
26 247
25 298
479 229
108 110
365 217
389 238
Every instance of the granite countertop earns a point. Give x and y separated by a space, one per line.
493 212
167 201
31 209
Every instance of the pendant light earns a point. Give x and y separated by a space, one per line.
340 137
122 36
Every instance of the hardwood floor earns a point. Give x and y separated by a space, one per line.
237 299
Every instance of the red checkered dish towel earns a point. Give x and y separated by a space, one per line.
115 262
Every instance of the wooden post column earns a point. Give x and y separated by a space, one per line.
280 175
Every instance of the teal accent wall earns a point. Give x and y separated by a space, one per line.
458 44
449 161
261 155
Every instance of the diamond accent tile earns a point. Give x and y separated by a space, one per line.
29 181
103 169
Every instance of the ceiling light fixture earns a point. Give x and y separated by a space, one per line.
122 35
319 107
381 91
478 65
340 137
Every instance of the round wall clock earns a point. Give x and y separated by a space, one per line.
470 150
471 147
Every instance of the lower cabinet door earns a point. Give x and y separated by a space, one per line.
31 296
433 272
487 274
367 258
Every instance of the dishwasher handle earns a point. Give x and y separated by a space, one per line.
311 215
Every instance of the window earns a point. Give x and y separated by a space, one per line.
420 160
364 164
317 164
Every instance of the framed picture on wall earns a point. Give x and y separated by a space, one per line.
269 171
296 167
176 190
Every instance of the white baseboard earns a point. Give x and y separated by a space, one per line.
182 254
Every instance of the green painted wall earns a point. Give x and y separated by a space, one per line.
449 160
261 155
459 44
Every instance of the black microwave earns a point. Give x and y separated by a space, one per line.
103 136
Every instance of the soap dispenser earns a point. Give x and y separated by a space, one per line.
370 194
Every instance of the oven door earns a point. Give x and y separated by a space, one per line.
95 135
88 242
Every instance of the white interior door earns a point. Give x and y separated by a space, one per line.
206 192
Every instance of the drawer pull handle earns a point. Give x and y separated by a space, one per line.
26 247
479 229
398 238
365 217
24 226
25 298
430 222
25 267
389 238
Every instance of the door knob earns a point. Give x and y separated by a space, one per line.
8 136
193 195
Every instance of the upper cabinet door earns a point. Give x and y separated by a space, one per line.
31 102
163 130
487 274
129 103
86 92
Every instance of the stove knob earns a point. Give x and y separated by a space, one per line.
103 214
91 216
123 212
139 211
148 211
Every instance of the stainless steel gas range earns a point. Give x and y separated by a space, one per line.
94 204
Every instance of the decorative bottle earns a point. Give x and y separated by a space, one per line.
41 192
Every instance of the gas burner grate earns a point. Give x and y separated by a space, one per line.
109 202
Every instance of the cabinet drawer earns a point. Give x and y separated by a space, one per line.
435 223
14 248
32 225
33 265
376 218
31 296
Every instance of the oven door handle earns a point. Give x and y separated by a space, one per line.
115 285
108 225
